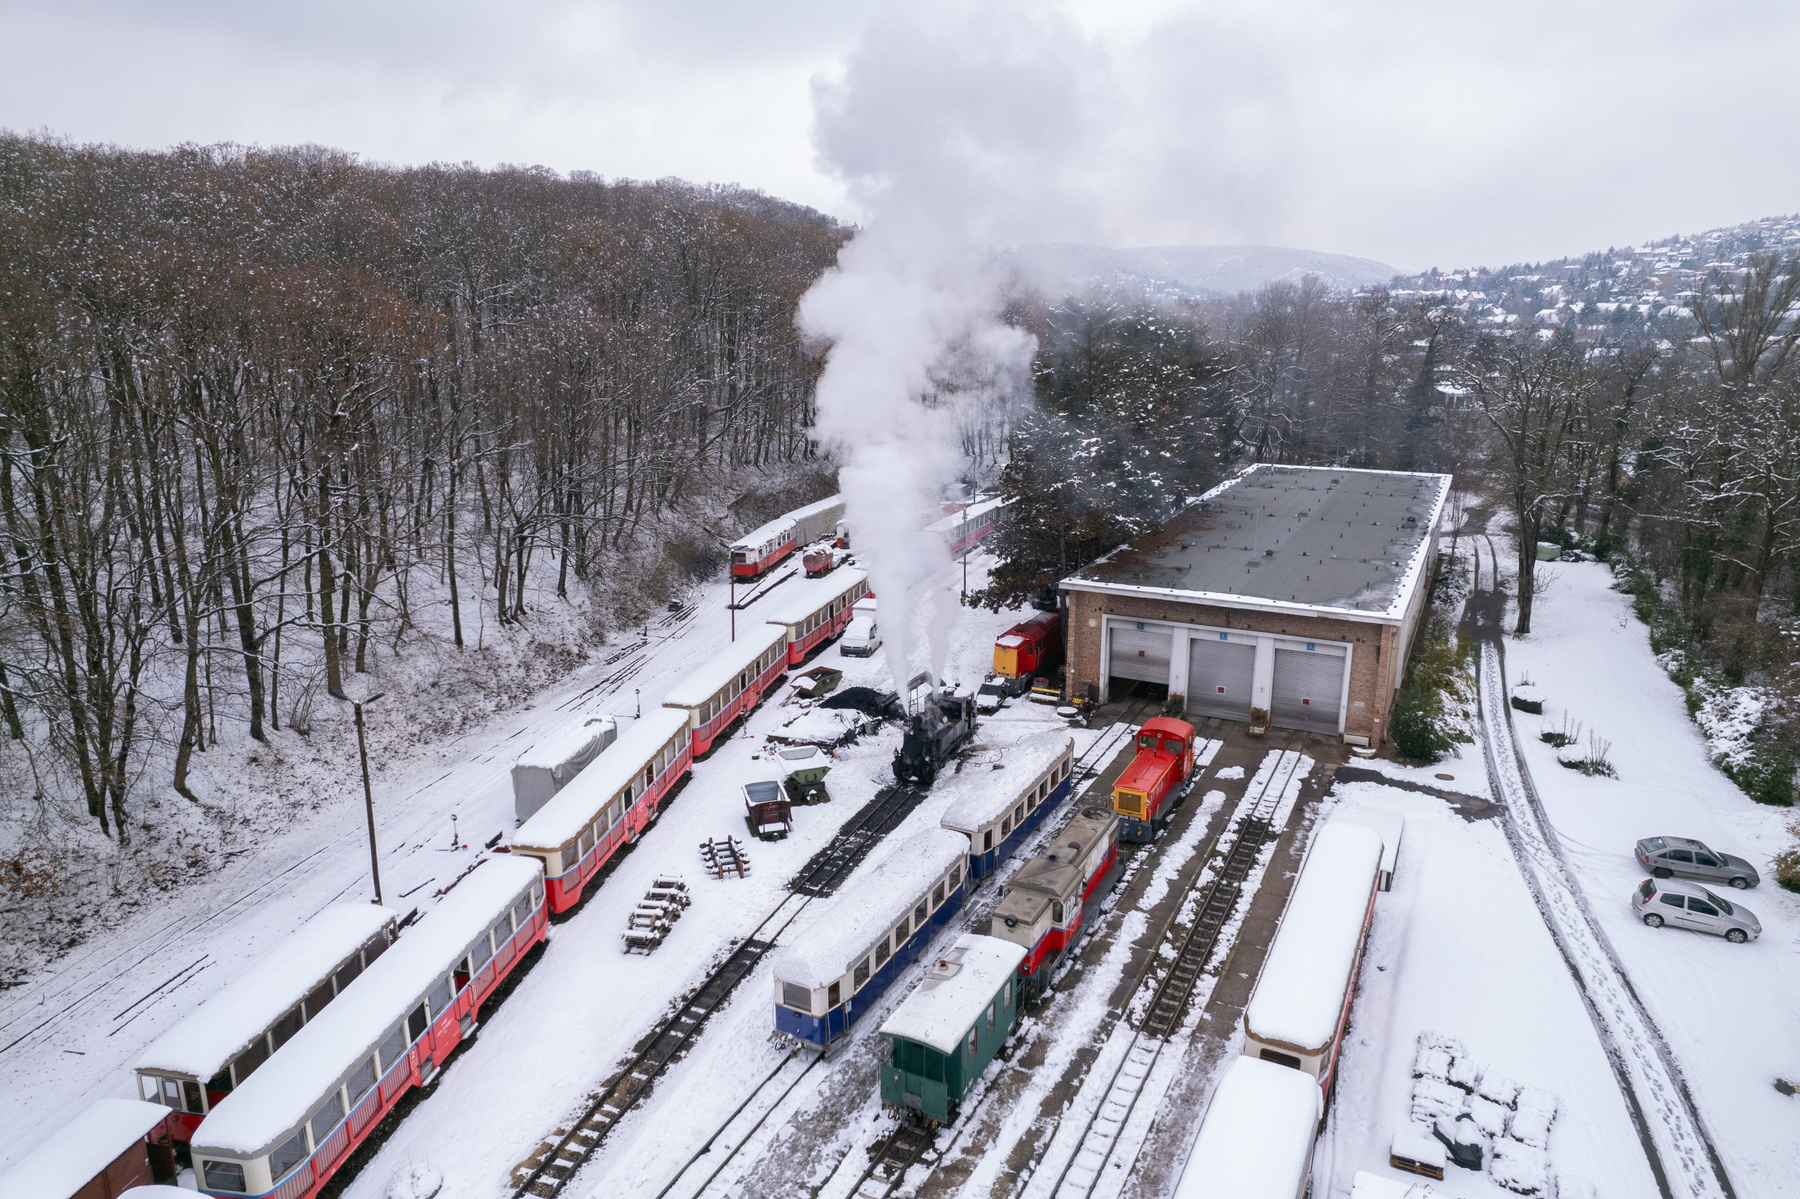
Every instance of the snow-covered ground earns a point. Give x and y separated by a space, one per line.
74 1036
1730 1013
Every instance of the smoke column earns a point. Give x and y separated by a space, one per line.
952 128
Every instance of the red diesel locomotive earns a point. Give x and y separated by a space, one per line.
1145 795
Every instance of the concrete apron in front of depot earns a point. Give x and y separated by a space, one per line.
1178 1120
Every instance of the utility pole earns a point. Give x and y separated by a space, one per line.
362 749
964 541
733 604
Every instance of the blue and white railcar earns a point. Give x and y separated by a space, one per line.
872 930
997 809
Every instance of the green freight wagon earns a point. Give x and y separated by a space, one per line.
948 1030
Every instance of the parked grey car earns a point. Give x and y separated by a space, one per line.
1689 905
1683 857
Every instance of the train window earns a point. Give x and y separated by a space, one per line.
148 1091
937 896
993 1013
315 1002
1018 814
286 1156
171 1093
1006 826
250 1059
987 839
481 951
537 896
362 1079
1056 912
502 931
834 995
223 1176
796 996
196 1100
585 843
972 1035
325 1117
393 1048
881 951
522 912
347 974
416 1024
440 997
861 975
374 949
920 913
955 875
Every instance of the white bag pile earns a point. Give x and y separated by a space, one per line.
1470 1105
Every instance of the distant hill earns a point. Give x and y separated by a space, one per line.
1194 270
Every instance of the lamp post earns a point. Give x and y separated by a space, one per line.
362 749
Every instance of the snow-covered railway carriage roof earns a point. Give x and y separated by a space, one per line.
957 989
814 595
66 1161
205 1041
773 533
274 1100
1257 1138
867 909
561 820
983 795
1300 993
830 503
699 688
975 513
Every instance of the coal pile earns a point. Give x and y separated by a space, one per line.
866 700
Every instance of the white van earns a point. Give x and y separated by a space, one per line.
862 638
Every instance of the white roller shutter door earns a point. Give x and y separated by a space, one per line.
1220 675
1309 689
1141 653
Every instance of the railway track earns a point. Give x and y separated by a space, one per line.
821 876
1169 993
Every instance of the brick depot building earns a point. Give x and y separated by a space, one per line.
1289 593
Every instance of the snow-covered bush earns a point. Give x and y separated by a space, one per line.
1787 868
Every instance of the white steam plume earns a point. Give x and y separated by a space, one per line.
953 129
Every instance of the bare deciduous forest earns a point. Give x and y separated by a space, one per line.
274 419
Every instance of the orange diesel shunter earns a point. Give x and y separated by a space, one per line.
1030 647
1145 794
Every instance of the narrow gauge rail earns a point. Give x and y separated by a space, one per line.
903 1147
555 1163
1170 992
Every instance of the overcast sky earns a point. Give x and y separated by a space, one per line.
1418 133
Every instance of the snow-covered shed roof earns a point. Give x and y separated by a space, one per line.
565 743
1300 992
69 1158
1256 1140
273 1101
561 819
958 987
981 797
868 907
712 678
207 1038
1351 543
793 607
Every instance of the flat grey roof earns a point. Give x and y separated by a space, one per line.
1351 541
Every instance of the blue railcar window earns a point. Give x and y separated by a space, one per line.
286 1156
223 1176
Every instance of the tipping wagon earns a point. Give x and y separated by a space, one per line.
768 810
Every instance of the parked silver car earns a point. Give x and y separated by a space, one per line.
1683 857
1689 905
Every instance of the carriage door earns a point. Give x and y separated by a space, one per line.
1309 688
1220 674
1140 651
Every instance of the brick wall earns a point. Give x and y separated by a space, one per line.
1371 655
